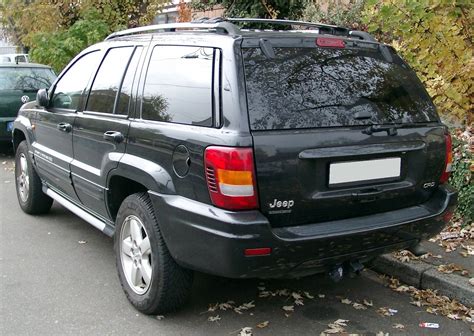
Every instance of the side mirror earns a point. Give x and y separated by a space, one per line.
42 98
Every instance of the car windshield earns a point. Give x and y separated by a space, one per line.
327 87
25 79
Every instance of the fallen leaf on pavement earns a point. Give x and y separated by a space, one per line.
82 242
336 327
160 317
398 326
282 292
213 307
214 318
263 324
321 296
368 303
296 296
299 302
309 296
264 294
245 306
471 281
469 250
454 316
404 256
288 308
247 331
226 305
359 306
346 301
402 289
451 268
385 311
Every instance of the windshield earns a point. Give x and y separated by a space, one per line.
326 87
25 79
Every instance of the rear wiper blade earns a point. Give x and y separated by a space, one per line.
390 129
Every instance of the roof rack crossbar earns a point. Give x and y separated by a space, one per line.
224 27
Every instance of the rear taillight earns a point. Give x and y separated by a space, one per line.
230 176
448 160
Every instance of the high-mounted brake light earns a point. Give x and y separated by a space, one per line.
329 42
448 160
230 176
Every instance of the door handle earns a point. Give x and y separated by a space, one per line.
113 136
64 127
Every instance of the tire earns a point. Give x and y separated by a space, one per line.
152 281
29 191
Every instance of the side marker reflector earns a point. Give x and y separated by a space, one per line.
262 251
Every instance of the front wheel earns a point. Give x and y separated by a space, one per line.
28 184
152 281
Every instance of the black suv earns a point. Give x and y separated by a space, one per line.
238 152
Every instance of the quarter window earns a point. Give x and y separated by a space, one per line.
108 80
70 88
126 88
178 85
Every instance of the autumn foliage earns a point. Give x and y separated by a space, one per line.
184 12
435 37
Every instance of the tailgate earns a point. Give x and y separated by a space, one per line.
310 109
320 175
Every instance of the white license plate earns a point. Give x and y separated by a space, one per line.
355 171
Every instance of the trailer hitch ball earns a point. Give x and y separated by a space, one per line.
336 273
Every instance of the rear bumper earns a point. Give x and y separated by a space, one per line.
212 240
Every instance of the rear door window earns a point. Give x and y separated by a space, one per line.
108 80
178 85
327 87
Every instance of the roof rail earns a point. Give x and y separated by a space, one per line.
219 27
324 28
228 26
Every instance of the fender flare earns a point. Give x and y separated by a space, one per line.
148 173
22 124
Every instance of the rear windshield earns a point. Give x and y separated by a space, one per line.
325 87
25 79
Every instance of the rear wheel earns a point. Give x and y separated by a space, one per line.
153 282
28 184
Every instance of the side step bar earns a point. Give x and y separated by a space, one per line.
94 221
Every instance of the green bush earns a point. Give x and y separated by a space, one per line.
461 176
338 12
59 47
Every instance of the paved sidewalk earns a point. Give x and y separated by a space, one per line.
423 273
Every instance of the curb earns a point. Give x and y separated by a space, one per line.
424 276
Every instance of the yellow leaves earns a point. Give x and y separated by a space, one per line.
433 40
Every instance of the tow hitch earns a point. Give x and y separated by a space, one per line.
353 267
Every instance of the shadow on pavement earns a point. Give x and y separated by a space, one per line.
6 149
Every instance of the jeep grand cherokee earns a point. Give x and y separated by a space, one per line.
238 152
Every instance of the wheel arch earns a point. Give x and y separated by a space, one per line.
18 137
134 174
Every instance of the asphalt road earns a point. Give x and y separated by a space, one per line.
51 284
